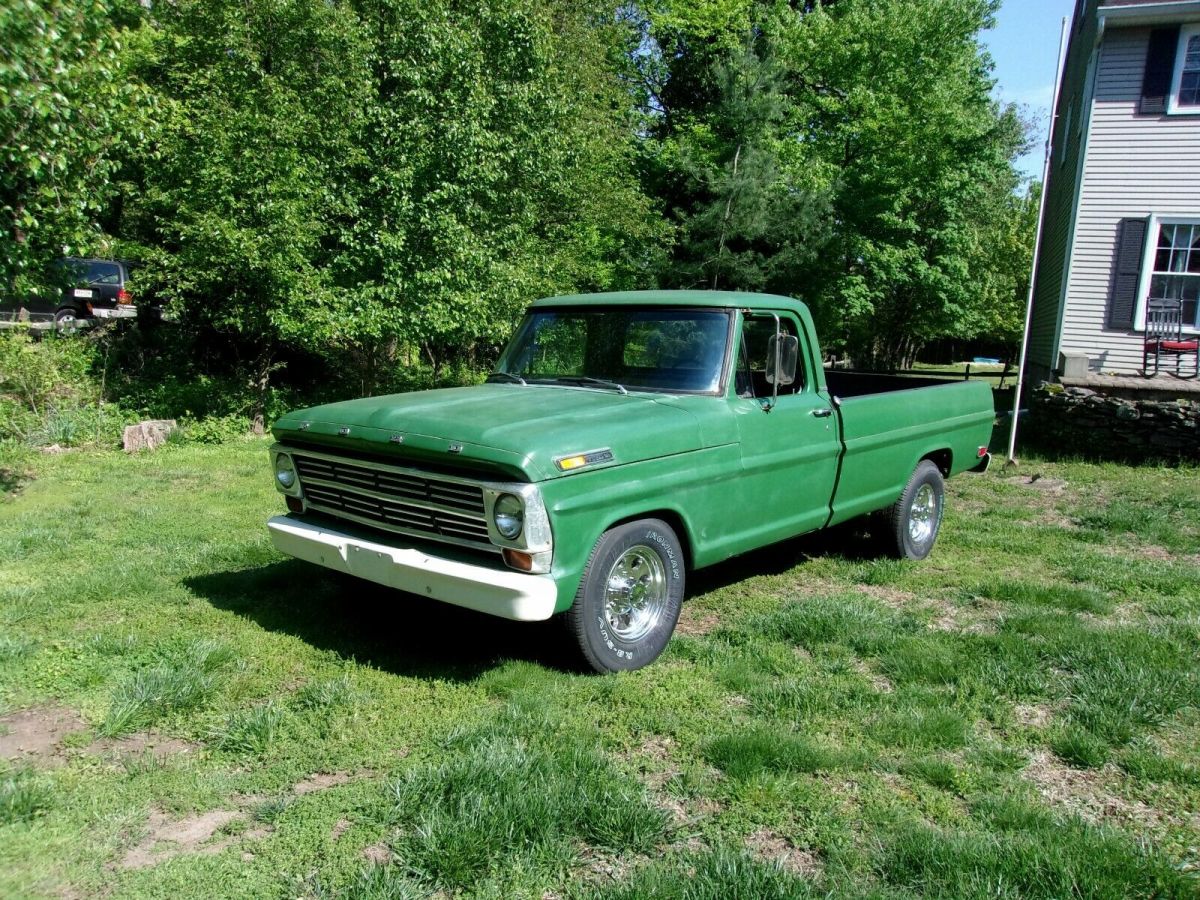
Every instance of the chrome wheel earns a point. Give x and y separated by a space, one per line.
635 593
66 322
923 515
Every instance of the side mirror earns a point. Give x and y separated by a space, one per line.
783 353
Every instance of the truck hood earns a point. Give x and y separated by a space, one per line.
518 429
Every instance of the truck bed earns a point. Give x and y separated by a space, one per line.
890 422
855 384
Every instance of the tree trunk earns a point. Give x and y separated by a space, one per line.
728 214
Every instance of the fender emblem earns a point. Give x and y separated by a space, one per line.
455 447
397 439
344 430
304 426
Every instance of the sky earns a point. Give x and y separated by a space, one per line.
1024 45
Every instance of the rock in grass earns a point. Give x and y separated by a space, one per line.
148 435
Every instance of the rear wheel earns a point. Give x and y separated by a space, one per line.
66 320
628 601
914 519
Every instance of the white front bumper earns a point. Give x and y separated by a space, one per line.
512 595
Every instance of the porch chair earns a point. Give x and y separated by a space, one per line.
1164 337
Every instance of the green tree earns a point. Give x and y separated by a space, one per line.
1004 259
751 222
868 122
65 109
919 155
499 170
380 179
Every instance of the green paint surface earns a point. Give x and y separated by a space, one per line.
732 473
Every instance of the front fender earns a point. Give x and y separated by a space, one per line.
585 505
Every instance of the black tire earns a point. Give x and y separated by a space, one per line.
647 553
913 521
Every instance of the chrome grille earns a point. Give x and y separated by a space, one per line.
396 499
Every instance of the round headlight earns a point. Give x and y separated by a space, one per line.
285 471
509 516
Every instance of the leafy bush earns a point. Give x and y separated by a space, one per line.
49 393
216 429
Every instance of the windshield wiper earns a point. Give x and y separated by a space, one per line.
598 382
509 376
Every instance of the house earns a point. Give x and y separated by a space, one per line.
1122 219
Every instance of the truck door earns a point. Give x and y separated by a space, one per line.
789 450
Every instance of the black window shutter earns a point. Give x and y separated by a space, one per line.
1160 71
1127 273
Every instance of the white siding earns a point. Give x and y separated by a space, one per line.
1135 166
1060 202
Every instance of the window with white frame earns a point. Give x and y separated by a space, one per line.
1185 89
1173 272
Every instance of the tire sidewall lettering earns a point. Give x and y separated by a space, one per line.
667 551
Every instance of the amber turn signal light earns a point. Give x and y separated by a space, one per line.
522 562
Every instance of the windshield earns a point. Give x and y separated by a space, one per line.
646 349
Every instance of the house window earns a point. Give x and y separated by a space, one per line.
1175 270
1185 89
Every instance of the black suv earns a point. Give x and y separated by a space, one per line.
91 289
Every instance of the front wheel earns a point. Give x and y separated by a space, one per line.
915 518
628 601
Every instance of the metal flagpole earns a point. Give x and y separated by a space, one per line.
1037 245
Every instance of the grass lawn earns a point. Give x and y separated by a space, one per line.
184 712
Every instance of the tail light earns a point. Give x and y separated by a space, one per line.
124 298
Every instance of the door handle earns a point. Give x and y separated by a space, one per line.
823 413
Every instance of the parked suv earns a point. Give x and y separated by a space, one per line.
91 289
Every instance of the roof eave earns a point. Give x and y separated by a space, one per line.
1166 12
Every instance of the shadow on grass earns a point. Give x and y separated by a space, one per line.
408 634
398 632
851 541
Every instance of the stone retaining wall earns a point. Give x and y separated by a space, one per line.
1109 427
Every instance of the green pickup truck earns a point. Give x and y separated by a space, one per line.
623 441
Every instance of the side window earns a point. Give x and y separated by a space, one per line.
757 331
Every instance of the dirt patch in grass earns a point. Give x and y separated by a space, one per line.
601 866
1043 495
888 596
1039 483
652 760
36 735
320 781
160 745
1033 715
340 827
380 854
696 622
770 847
40 736
881 683
201 833
1090 794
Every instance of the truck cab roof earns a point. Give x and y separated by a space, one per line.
717 299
